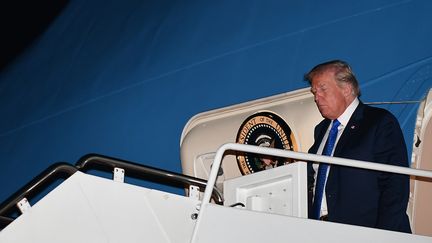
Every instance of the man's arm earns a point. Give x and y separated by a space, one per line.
390 149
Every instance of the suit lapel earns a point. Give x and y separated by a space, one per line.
352 127
319 135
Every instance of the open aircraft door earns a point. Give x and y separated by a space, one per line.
421 188
287 121
283 121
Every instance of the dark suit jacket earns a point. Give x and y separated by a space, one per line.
365 197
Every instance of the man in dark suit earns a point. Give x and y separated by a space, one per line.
351 195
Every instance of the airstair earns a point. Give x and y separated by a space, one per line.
266 206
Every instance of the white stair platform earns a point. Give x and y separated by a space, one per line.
222 224
86 208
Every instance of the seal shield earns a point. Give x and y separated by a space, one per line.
264 129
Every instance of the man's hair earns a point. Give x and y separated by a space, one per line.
342 72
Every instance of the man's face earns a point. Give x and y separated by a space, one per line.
330 98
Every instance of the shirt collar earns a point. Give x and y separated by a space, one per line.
344 118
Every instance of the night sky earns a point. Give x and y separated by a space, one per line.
22 22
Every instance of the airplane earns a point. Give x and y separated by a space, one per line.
124 79
94 209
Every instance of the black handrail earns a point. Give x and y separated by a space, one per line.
105 163
5 221
63 170
35 186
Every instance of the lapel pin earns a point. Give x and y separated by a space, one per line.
353 127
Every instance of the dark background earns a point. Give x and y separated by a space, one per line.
22 22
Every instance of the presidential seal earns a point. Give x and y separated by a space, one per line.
268 130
